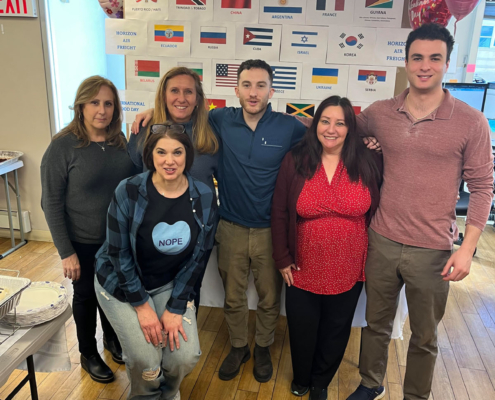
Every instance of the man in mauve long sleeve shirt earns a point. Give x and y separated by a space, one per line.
430 141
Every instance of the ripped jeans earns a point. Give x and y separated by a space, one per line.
144 361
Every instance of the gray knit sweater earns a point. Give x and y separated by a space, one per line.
77 186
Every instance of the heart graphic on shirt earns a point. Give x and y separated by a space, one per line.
171 239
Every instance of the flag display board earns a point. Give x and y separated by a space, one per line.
224 76
213 39
236 10
258 41
146 10
351 45
286 79
144 72
370 83
133 102
329 12
282 12
300 108
190 10
391 46
169 38
378 13
125 37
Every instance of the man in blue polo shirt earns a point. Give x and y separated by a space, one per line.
254 140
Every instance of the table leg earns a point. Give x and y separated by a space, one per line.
32 378
9 210
19 210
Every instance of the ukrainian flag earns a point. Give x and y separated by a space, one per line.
325 75
169 33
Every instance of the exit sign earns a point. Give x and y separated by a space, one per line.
18 8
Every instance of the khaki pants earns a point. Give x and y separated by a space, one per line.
389 266
241 249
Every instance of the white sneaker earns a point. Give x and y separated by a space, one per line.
177 396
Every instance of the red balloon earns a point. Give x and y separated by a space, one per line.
424 11
460 8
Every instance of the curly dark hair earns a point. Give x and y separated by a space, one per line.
431 31
248 64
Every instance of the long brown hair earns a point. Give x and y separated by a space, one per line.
204 139
87 91
357 159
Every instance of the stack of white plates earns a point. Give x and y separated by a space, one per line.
40 302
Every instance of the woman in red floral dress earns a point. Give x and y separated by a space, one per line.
326 192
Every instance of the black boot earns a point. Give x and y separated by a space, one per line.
318 393
97 369
263 369
232 363
113 346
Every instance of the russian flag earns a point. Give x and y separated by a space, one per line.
213 35
364 73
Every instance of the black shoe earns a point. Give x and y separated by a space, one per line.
364 393
113 346
318 393
97 369
232 363
263 369
298 390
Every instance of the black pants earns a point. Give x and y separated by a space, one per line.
85 304
319 329
197 286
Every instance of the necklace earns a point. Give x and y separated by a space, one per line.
102 146
419 118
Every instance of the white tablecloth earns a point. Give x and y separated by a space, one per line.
212 295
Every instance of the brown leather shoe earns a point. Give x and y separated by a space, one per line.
263 369
232 363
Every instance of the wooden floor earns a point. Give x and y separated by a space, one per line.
465 366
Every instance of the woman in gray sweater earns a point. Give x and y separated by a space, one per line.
80 170
180 99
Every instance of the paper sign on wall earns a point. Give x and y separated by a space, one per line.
144 72
329 12
320 81
224 78
303 43
213 39
300 108
371 83
236 10
286 79
390 46
258 41
125 37
133 102
350 45
282 12
378 13
169 38
191 10
146 10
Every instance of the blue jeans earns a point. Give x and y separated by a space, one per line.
143 361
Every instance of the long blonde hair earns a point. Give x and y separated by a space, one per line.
87 91
204 139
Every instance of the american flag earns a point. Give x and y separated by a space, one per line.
284 77
226 75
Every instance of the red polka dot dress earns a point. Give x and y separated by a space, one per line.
332 240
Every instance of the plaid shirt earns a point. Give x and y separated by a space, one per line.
117 269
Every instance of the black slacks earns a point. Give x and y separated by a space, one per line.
85 304
319 329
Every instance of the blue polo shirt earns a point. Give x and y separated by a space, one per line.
250 160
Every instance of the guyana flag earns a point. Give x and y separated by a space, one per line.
301 110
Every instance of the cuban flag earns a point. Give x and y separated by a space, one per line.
258 36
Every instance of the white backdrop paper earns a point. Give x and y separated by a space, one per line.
351 45
133 102
370 83
224 76
125 37
191 10
146 10
257 41
286 79
329 12
320 81
390 46
236 10
282 12
169 38
304 43
378 13
213 40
